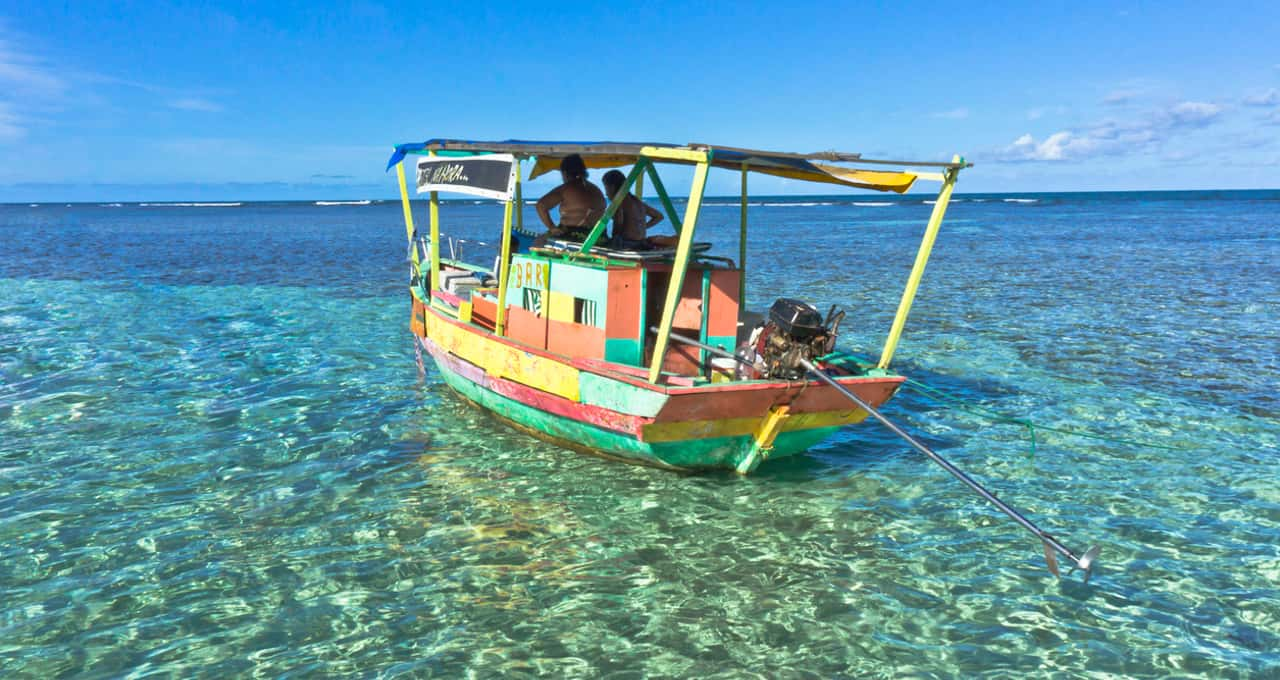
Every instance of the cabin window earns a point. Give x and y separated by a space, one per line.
532 301
584 311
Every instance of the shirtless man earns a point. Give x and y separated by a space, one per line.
581 203
633 218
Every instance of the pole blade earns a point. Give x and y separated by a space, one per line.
1051 559
1086 561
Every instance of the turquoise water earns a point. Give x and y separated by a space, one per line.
218 457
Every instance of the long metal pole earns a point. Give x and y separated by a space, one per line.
1083 562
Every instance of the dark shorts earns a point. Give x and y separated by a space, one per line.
619 243
578 234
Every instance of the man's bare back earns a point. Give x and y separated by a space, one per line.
581 204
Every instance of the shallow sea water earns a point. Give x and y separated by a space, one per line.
218 457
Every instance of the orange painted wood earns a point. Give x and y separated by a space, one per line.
682 359
755 399
418 319
825 398
484 312
575 339
722 305
689 309
526 327
625 301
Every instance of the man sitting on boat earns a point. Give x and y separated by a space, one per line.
581 203
632 219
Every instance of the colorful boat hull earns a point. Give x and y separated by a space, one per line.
608 409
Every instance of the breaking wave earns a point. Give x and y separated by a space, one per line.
189 205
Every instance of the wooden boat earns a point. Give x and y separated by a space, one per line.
606 350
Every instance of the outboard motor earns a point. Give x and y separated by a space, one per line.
795 330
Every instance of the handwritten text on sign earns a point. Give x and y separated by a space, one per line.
490 176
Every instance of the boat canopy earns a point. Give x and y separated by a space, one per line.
808 167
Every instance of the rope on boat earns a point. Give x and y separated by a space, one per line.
996 416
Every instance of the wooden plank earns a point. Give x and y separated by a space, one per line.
581 282
625 304
683 430
689 308
502 359
664 153
575 339
526 327
484 312
722 303
753 400
619 396
547 403
560 307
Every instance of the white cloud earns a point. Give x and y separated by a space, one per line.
1194 114
955 114
1113 138
26 85
10 126
1269 98
1042 111
195 104
24 74
1120 97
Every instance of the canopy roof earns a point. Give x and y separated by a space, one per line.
805 167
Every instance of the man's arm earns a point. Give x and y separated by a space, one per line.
653 215
544 206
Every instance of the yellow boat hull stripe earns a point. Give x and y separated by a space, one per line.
734 427
503 360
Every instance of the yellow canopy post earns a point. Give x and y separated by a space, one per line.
408 214
519 201
435 240
504 256
742 244
922 258
683 251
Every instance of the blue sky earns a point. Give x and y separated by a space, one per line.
146 101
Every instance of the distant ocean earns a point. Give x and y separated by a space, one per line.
217 456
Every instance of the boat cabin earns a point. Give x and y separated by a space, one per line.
601 308
585 302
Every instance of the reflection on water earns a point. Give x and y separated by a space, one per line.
228 463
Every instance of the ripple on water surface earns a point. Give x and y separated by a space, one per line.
230 465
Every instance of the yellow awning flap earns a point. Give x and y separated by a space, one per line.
806 171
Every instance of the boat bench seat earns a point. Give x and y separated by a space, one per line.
558 246
461 283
